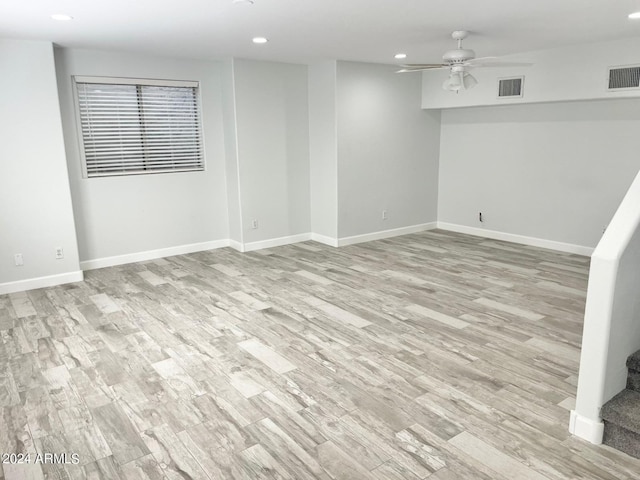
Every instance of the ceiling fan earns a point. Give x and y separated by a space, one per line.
458 61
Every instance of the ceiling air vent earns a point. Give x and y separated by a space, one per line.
510 87
624 77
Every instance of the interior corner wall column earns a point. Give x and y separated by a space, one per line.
231 155
36 214
374 153
323 151
388 151
267 140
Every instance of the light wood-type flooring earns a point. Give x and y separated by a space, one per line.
434 355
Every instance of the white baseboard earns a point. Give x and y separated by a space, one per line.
512 237
152 254
368 237
586 428
276 242
332 242
192 248
41 282
54 280
239 246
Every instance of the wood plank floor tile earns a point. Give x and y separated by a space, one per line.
104 303
505 466
119 433
172 455
268 356
22 305
143 468
260 465
339 464
520 312
284 449
440 317
338 313
215 449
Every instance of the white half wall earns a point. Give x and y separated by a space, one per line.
124 215
323 149
612 317
554 172
273 149
555 75
36 215
387 150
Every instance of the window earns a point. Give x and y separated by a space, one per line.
131 127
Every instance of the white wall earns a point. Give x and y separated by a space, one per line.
323 149
36 215
273 148
387 150
549 171
562 74
126 215
612 317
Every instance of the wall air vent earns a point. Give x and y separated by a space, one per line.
624 77
510 87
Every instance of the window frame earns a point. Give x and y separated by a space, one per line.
76 79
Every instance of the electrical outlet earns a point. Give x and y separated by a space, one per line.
254 224
18 259
385 215
59 253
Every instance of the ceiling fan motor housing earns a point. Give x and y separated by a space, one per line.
459 55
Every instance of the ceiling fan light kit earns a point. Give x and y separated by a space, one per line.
459 79
469 81
453 83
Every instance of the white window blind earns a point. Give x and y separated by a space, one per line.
135 128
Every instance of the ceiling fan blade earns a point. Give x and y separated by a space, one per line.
424 69
482 64
482 59
423 65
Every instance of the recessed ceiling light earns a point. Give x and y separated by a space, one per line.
634 15
248 2
62 17
400 56
260 40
